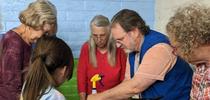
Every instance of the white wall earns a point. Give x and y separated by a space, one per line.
164 9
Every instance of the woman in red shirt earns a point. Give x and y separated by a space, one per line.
15 46
100 56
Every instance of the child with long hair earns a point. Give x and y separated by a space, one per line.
51 64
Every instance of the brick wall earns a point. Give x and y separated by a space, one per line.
74 16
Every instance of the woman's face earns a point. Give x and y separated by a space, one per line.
50 29
35 34
100 36
201 55
60 75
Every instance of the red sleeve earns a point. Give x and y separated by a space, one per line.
11 65
82 69
123 59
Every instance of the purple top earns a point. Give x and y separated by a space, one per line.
13 60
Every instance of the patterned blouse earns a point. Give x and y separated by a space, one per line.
201 83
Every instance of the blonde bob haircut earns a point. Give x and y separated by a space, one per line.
39 13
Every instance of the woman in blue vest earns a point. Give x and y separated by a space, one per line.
153 70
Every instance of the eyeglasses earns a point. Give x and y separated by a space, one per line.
199 63
119 40
122 38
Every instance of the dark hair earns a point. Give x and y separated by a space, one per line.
49 54
129 19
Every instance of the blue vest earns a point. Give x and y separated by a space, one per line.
177 82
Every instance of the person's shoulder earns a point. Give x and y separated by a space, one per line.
119 49
85 46
58 95
163 48
52 94
10 34
12 37
12 41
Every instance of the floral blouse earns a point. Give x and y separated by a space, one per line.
201 83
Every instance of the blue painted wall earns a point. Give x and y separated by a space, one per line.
74 16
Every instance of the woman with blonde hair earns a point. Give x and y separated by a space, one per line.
100 59
189 32
38 19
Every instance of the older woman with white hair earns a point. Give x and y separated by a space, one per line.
100 56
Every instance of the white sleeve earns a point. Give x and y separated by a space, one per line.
53 95
57 97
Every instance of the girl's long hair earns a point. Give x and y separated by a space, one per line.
49 54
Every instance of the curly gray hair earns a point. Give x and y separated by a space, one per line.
189 29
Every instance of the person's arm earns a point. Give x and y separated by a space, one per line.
155 64
82 73
127 70
123 59
124 90
12 63
82 96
